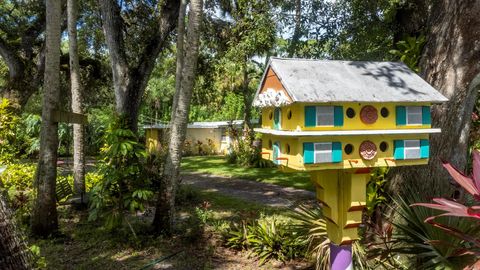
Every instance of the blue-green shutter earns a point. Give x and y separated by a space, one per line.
310 116
424 149
276 119
401 115
398 149
336 151
338 116
308 153
426 115
276 152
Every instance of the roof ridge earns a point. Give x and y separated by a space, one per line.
331 60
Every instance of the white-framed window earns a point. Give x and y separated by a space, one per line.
323 152
411 149
414 115
325 115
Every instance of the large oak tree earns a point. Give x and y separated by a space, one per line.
22 48
135 34
450 63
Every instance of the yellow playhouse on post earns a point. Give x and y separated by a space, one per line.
340 119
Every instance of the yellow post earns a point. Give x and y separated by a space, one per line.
343 197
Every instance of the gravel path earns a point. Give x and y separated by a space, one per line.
248 190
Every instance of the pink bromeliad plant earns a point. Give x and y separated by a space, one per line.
471 184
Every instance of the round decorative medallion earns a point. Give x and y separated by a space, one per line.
368 150
368 114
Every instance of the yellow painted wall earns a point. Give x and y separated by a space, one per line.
297 121
154 137
382 159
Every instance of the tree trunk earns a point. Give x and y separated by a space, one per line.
77 102
129 80
450 64
180 54
165 210
297 32
13 251
247 101
44 215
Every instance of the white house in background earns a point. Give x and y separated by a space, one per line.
202 137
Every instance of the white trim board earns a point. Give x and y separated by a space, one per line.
348 132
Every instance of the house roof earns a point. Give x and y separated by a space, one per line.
215 124
351 81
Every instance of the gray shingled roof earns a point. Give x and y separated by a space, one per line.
215 124
352 81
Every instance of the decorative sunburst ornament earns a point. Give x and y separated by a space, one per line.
369 114
368 150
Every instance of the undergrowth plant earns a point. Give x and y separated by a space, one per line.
8 123
267 238
124 187
407 242
311 227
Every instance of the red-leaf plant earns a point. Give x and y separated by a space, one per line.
451 208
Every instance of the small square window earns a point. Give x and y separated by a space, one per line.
412 149
414 115
325 115
323 152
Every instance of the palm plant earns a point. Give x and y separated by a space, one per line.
312 228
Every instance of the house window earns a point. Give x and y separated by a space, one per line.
325 115
412 149
323 152
414 115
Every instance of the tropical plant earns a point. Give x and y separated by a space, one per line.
409 51
124 186
407 242
458 209
268 238
376 194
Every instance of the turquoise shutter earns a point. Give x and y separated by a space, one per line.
338 116
424 149
401 114
398 149
336 151
310 116
276 152
308 153
276 118
426 115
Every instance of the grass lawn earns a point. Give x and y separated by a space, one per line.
217 165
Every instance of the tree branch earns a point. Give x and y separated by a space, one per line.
14 63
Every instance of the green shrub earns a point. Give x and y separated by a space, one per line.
125 186
17 182
8 123
268 238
